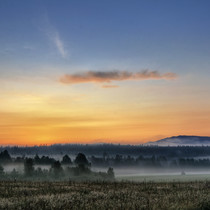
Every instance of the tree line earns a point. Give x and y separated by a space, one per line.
111 149
79 169
107 161
149 162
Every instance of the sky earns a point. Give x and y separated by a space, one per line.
89 71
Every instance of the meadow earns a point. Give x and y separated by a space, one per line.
165 178
104 195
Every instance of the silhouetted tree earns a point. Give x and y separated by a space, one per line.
56 169
81 160
1 170
37 159
66 160
5 156
82 164
19 159
46 160
110 173
118 159
28 166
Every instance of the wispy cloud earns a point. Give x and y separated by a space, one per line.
55 38
59 44
109 76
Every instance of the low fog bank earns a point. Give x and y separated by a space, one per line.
65 167
9 167
19 167
123 172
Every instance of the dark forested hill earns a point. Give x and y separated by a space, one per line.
182 141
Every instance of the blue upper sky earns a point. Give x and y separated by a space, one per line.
104 35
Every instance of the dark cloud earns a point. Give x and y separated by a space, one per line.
109 76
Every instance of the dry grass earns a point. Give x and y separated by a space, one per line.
104 195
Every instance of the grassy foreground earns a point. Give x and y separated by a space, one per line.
104 195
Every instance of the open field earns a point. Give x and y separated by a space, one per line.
165 178
104 195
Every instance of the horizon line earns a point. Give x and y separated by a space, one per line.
97 143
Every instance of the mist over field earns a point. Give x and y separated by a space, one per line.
128 162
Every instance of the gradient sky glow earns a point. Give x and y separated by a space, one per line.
89 71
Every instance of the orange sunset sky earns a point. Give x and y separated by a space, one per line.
124 72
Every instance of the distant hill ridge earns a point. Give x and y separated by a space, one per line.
182 140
